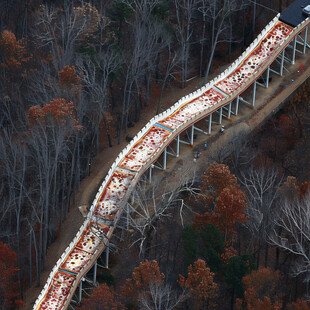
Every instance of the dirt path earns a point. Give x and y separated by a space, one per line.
247 120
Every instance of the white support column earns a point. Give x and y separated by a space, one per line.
164 164
267 77
305 41
210 123
282 58
107 255
95 273
150 173
165 159
192 135
220 115
80 291
237 105
175 153
127 215
253 94
294 51
178 146
229 110
282 63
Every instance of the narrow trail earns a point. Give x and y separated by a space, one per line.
268 100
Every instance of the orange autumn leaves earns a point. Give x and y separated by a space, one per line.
103 298
142 276
224 198
70 80
14 53
58 110
199 283
262 290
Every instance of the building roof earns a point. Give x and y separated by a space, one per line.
292 15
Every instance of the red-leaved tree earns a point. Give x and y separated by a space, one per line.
142 276
70 81
299 305
216 178
229 209
200 284
57 110
13 51
102 298
262 290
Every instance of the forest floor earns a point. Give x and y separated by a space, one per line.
267 102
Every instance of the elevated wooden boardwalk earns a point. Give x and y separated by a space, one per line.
277 44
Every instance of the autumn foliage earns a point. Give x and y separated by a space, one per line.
217 177
228 253
229 209
200 283
303 189
299 305
102 298
230 201
261 290
142 276
57 110
68 77
8 272
13 51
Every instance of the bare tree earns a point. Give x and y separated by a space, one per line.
160 296
262 189
185 10
43 85
172 62
291 232
97 76
149 39
218 13
59 30
150 208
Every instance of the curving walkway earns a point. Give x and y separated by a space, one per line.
144 150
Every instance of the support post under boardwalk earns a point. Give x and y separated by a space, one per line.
294 51
210 123
192 135
305 41
267 77
220 115
237 105
80 291
165 159
282 57
127 214
229 110
253 94
178 146
282 63
95 273
107 255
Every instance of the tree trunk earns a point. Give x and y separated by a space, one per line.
266 254
258 252
232 300
30 260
